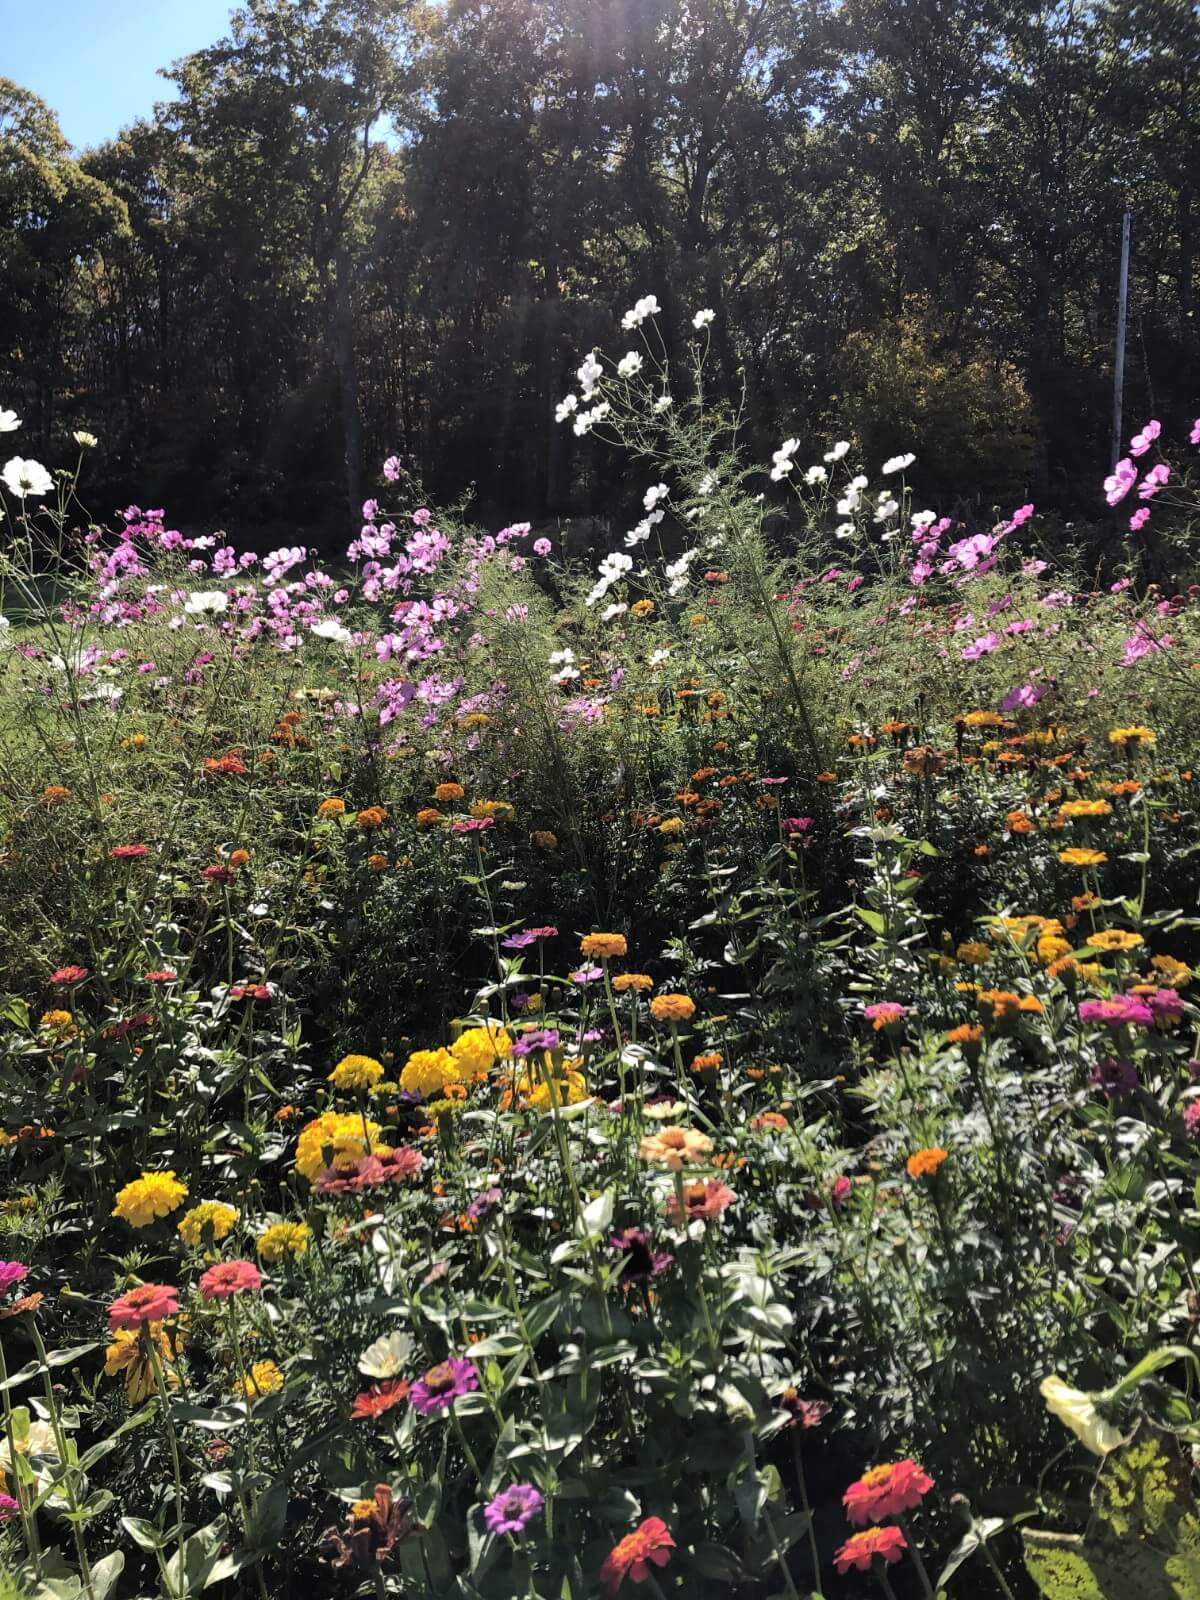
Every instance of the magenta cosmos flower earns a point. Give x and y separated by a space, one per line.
11 1272
442 1385
513 1509
229 1278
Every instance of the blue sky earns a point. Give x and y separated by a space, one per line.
96 64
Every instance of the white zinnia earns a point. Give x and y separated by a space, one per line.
26 477
387 1356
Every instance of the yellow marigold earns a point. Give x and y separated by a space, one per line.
983 719
924 1163
446 793
568 1083
1134 735
543 839
154 1194
60 1022
263 1378
476 1051
967 1034
499 809
127 1356
1051 948
974 953
474 719
672 825
284 1239
429 817
335 1137
426 1072
604 945
356 1072
1080 856
675 1148
1074 810
672 1008
1115 939
208 1221
641 608
632 980
331 808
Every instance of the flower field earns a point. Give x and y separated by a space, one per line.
541 1072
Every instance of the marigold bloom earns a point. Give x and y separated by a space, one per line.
860 1549
543 839
153 1195
356 1072
149 1302
1080 856
650 1544
476 1051
886 1491
1135 735
442 1385
54 794
675 1147
333 807
429 817
967 1034
283 1239
426 1072
672 1008
701 1201
344 1136
210 1220
925 1163
603 945
263 1378
446 793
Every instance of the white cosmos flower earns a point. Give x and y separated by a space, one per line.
886 509
203 602
647 306
26 477
859 481
924 519
387 1356
653 495
9 421
840 449
565 408
565 675
844 530
629 365
585 421
897 464
559 656
849 503
659 656
781 461
611 612
663 403
615 566
708 483
1078 1412
702 319
815 475
331 628
589 374
5 634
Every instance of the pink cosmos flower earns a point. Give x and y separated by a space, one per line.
442 1385
1194 436
11 1272
983 646
1119 482
1154 480
1141 442
229 1278
1139 519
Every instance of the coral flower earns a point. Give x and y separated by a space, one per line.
379 1399
442 1385
925 1163
648 1545
701 1201
228 1278
861 1549
885 1492
128 852
675 1147
885 1014
68 975
149 1302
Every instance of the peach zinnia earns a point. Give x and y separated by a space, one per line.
675 1147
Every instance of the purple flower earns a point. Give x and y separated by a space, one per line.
645 1262
442 1385
541 547
794 825
513 1509
11 1272
1114 1013
483 1202
539 1039
1027 696
1115 1079
527 937
587 975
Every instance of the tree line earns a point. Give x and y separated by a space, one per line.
362 228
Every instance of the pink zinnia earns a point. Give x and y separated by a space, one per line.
885 1492
229 1278
149 1302
11 1272
1114 1013
442 1385
128 852
68 975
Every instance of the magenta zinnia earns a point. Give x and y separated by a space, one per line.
442 1385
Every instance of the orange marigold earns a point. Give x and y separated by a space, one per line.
925 1163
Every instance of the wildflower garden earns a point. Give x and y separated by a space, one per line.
665 1072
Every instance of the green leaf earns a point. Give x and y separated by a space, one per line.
874 920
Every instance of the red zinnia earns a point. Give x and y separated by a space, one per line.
161 975
860 1549
219 874
374 1402
651 1543
149 1302
229 1278
885 1492
66 975
128 852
